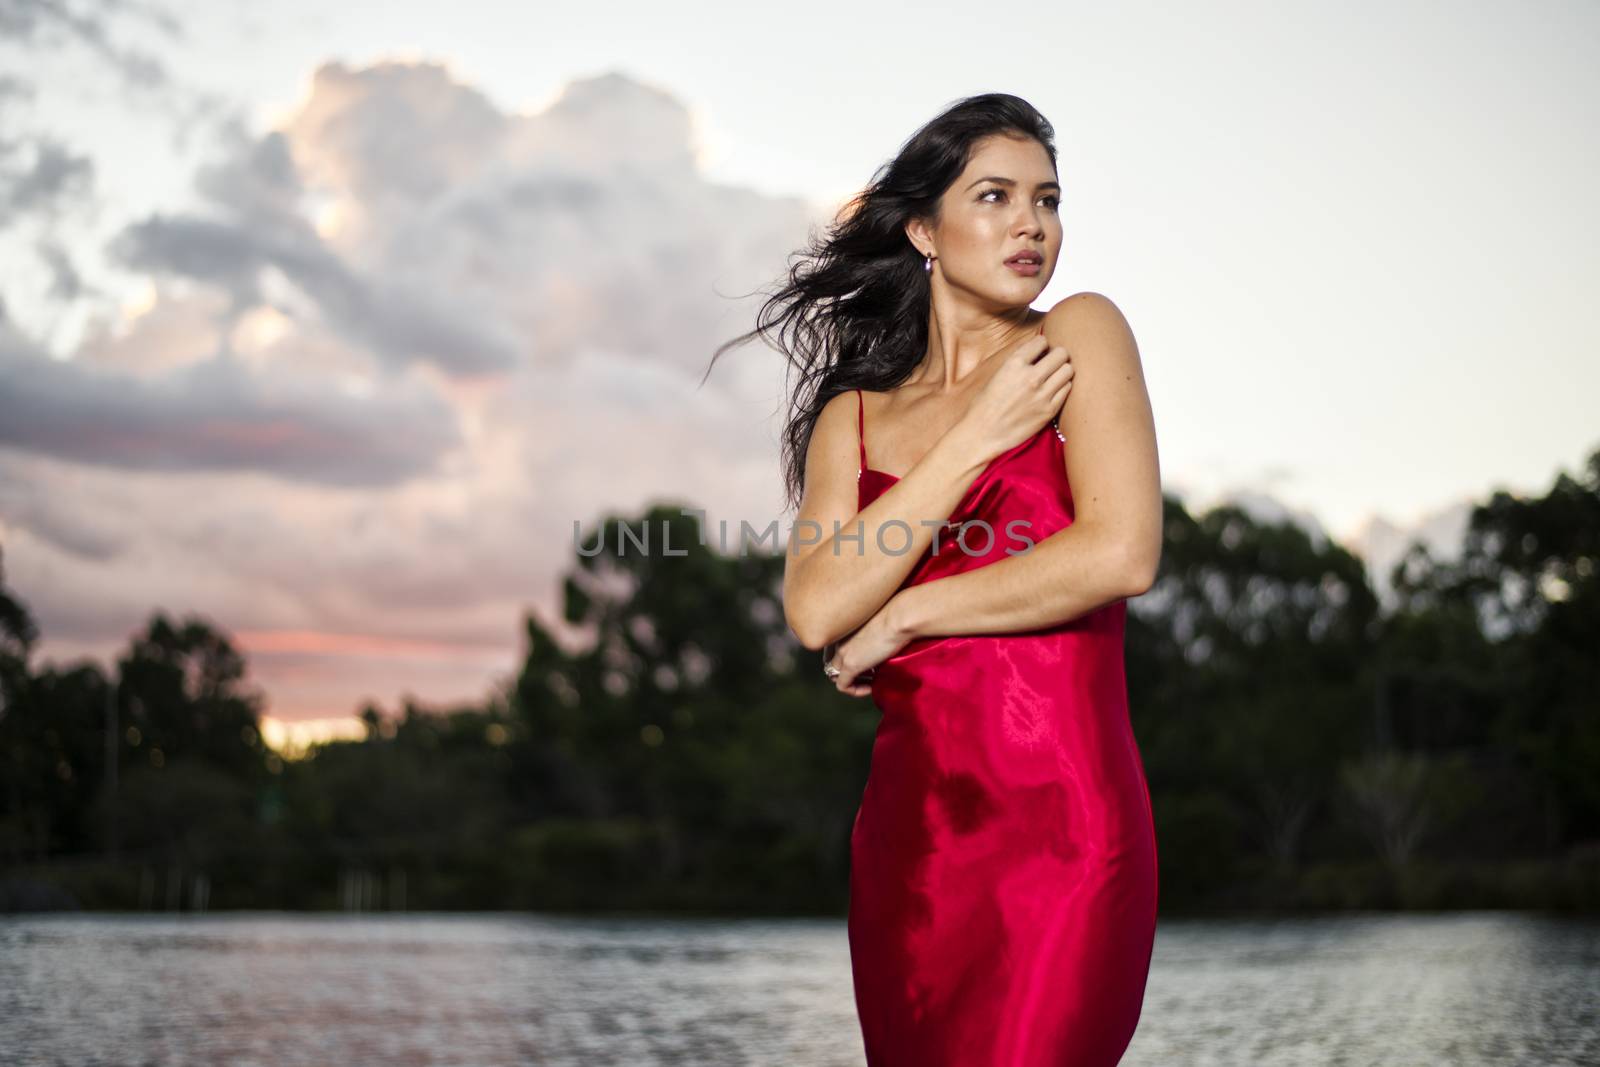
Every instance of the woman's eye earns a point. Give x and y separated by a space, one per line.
1053 201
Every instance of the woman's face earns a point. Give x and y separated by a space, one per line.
1005 201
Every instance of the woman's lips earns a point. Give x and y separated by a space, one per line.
1025 267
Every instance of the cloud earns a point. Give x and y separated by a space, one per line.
65 282
399 319
54 176
95 27
217 414
72 51
399 345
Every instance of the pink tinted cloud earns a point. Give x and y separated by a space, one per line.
495 330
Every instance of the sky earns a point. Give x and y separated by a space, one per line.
327 321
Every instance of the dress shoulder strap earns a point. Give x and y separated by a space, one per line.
861 430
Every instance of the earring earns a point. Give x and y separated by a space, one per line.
927 264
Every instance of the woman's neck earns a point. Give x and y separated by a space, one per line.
962 340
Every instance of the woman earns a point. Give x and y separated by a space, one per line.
1003 873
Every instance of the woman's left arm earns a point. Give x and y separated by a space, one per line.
1113 547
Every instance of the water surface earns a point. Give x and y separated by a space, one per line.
486 990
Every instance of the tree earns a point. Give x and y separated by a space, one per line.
182 695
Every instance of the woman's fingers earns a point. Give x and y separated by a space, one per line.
1047 355
860 683
1031 350
1056 385
1062 375
1053 358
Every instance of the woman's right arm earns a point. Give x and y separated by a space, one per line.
835 581
844 564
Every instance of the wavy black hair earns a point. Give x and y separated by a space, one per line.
853 312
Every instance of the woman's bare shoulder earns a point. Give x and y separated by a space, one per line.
1084 316
835 423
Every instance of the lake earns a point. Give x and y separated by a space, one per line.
489 989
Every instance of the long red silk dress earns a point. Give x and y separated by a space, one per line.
1003 860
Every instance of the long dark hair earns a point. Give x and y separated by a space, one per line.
854 310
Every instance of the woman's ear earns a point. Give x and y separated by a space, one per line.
918 234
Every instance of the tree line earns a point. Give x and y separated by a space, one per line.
1306 747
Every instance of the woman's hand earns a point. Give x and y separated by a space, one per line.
858 655
1023 393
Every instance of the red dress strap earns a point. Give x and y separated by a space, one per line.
861 430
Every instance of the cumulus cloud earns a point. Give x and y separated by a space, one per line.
95 27
41 174
59 55
216 414
395 349
51 175
399 318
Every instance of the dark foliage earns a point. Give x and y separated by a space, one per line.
1305 749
